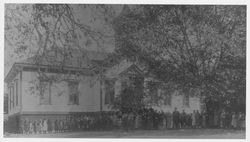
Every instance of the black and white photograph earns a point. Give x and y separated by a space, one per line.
133 71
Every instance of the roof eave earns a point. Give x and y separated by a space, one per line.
19 66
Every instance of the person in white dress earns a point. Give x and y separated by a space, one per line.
234 120
31 128
45 126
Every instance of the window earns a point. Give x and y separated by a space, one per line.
16 92
109 91
73 92
45 92
186 100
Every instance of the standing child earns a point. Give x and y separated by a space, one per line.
37 126
25 127
56 126
45 125
53 126
31 128
60 126
59 129
41 126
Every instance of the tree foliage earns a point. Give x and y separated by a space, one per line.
193 46
131 98
49 33
43 29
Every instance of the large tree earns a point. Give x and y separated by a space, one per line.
49 33
42 29
193 46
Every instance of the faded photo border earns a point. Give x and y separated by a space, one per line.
178 2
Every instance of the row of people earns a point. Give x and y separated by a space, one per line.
152 119
145 119
43 126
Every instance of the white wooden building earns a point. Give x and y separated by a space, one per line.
78 90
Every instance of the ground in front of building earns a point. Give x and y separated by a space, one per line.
169 134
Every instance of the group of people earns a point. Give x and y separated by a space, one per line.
232 120
144 119
43 126
152 119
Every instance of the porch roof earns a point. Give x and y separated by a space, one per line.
16 67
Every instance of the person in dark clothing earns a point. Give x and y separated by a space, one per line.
176 118
197 118
188 121
156 119
183 119
125 121
150 118
228 119
203 119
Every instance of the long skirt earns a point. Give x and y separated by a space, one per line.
234 123
193 121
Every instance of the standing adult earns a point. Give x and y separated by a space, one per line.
243 122
164 123
131 120
125 121
176 118
216 119
228 119
183 119
204 117
168 117
222 119
189 120
193 119
234 120
197 119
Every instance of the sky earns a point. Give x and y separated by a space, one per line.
85 16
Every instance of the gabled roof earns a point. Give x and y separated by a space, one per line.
55 62
132 70
124 67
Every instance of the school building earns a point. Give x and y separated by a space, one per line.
45 89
